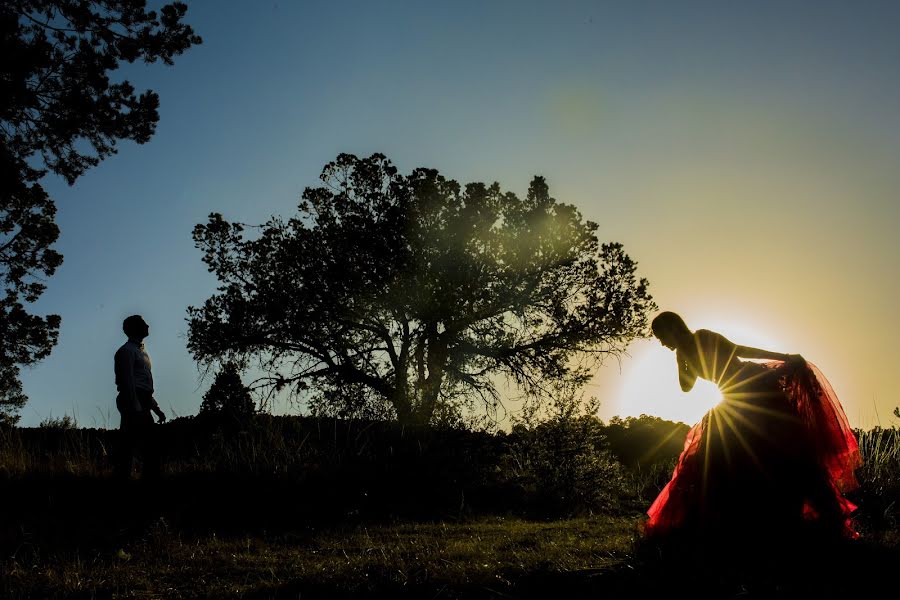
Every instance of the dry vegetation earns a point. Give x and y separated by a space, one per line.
474 557
292 509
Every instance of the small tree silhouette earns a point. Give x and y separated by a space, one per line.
228 396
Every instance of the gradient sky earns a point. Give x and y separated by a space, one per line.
746 154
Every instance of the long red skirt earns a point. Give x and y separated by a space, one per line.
778 451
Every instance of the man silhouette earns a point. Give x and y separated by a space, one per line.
134 381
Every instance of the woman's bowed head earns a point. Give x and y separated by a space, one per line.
671 330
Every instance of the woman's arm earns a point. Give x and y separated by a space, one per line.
687 376
748 352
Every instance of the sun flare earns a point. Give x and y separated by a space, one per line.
651 387
650 379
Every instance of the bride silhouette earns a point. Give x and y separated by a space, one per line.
773 458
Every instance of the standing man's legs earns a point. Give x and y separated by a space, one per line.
138 437
149 440
126 446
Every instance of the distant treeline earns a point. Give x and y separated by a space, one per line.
332 468
558 467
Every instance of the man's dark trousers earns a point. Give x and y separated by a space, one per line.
137 437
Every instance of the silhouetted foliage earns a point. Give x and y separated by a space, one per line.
228 396
27 232
879 494
639 442
60 113
351 401
321 469
564 464
558 454
419 289
65 422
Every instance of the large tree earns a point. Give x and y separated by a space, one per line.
61 113
417 290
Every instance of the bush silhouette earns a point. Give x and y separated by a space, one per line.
65 422
564 467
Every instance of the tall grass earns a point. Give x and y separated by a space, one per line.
880 449
879 476
52 450
568 459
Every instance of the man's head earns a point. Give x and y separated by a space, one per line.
135 327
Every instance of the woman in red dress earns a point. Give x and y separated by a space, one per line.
774 457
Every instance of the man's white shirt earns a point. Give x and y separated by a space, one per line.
133 371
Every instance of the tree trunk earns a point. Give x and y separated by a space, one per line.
431 390
401 401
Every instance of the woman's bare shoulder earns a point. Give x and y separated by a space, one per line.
708 337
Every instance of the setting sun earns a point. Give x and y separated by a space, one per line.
651 387
650 380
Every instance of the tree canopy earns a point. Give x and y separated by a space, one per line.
420 291
61 113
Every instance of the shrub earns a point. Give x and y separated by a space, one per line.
642 443
562 462
63 423
564 466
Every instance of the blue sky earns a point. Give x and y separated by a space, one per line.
746 154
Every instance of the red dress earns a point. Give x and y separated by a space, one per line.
776 453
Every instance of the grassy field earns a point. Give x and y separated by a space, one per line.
483 558
228 523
